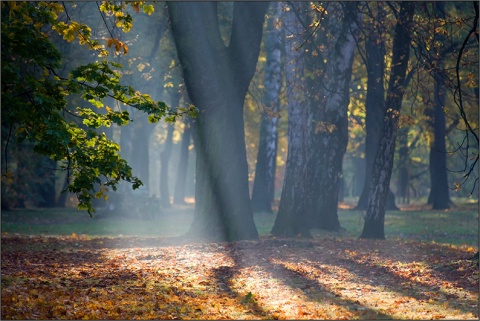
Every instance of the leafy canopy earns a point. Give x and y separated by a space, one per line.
34 95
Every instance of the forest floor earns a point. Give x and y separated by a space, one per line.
328 277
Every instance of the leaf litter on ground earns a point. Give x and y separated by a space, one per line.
80 277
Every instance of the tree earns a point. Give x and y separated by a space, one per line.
382 169
165 154
374 59
317 106
34 96
264 183
217 77
458 98
179 192
439 194
329 119
291 217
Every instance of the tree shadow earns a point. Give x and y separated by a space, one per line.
398 283
223 276
242 256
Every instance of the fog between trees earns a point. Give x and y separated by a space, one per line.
301 105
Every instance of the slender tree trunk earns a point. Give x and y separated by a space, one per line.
439 195
403 169
291 217
329 116
166 153
264 184
382 169
179 193
217 79
62 198
164 162
374 104
140 152
46 188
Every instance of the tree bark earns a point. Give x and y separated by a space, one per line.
291 217
164 162
179 192
382 169
374 103
439 195
329 122
166 153
403 169
264 184
217 79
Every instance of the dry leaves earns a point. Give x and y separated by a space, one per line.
160 278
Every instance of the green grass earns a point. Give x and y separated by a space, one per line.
453 227
67 221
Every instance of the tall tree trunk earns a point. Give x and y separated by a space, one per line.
374 103
329 116
179 192
166 153
403 168
217 79
382 169
291 217
46 188
62 197
140 152
164 162
264 184
439 195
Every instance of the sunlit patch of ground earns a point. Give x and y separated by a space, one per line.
165 278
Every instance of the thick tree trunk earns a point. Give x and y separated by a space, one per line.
217 78
439 195
382 169
264 184
329 116
291 217
179 192
374 104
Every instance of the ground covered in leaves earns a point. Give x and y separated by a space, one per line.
80 277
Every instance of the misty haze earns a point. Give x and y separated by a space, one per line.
240 160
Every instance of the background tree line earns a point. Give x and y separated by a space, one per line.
304 103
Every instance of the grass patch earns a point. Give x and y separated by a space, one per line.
453 226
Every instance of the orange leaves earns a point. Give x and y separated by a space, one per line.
118 45
89 278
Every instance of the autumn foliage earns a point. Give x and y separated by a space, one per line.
80 277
